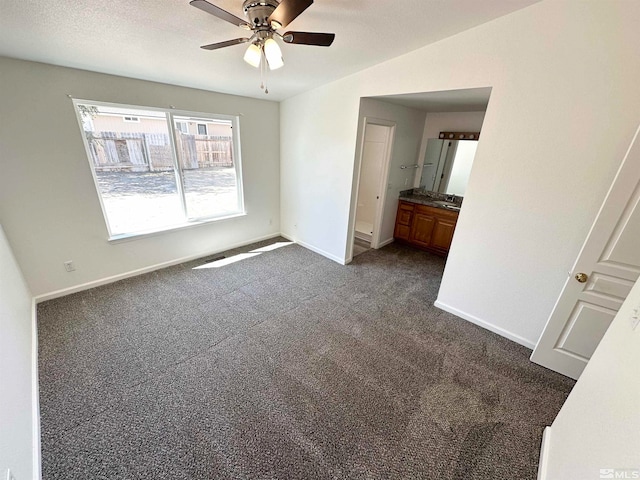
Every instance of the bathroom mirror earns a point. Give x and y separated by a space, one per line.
447 165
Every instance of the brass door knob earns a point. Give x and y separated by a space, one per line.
582 277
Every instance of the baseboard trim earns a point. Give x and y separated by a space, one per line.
544 454
385 243
489 326
140 271
35 395
328 255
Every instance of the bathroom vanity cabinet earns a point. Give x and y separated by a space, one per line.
426 227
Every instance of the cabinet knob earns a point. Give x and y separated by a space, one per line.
582 277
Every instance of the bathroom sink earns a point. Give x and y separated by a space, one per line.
446 204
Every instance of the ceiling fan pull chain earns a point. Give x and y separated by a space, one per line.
262 62
264 71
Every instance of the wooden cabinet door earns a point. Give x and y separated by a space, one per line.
402 232
422 229
442 234
403 221
404 216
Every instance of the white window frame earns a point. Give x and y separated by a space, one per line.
173 130
182 127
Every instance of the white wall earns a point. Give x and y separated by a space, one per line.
16 336
563 109
48 202
599 425
406 146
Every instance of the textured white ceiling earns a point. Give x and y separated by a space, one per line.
159 39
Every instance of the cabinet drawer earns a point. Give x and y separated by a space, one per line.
406 206
404 216
404 219
437 212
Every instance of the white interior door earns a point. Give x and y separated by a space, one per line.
375 151
606 269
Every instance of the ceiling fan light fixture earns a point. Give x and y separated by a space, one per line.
264 18
273 54
253 55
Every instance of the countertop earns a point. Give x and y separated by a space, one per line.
428 201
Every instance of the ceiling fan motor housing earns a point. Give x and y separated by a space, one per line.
259 11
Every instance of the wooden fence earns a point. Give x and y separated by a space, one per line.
201 151
151 152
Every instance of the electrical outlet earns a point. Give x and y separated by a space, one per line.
635 318
69 266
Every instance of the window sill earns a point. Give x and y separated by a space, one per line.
127 237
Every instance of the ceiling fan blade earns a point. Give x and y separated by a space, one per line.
228 43
288 10
219 12
308 38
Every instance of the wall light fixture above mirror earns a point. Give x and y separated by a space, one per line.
459 135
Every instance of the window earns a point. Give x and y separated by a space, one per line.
202 129
155 175
182 127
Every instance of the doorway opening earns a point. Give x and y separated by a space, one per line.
417 164
375 155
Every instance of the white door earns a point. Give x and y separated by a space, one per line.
606 269
375 151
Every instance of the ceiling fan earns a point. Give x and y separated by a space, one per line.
264 19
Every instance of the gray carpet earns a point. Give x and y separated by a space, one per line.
285 365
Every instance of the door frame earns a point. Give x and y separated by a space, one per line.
382 190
